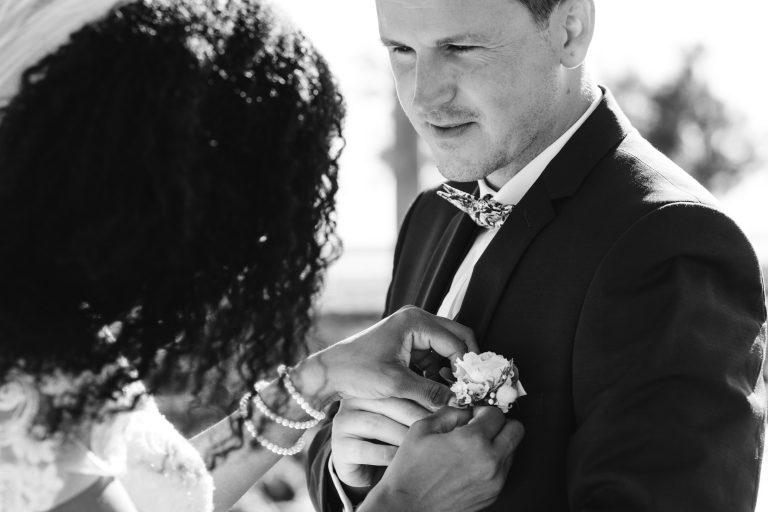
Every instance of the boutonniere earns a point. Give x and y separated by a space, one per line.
486 379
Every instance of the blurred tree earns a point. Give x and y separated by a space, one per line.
404 159
688 123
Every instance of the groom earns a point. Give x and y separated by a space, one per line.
631 304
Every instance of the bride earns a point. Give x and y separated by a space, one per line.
167 179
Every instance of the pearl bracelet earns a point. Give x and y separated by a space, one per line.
296 396
265 443
266 411
279 450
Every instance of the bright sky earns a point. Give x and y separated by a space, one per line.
646 36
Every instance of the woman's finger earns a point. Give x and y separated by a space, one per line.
509 437
507 441
400 410
446 337
357 451
428 393
369 425
461 331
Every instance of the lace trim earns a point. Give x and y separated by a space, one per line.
159 468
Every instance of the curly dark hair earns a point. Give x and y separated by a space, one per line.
170 171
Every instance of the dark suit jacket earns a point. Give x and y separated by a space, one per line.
634 310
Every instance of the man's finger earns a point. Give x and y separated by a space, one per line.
399 409
443 421
487 421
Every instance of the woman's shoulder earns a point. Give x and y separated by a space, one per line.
29 479
158 467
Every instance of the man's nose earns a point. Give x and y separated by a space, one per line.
434 85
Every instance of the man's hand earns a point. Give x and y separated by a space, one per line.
366 434
455 460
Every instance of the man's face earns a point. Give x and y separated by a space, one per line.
479 80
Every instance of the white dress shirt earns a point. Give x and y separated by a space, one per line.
511 193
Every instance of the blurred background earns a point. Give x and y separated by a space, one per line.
689 73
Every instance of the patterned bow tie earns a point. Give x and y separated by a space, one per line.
486 212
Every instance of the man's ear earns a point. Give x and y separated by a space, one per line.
572 25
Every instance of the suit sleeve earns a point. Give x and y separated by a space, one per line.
321 489
668 391
324 496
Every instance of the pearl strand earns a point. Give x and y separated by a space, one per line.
266 411
265 443
296 396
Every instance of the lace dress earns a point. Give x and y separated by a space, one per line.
158 467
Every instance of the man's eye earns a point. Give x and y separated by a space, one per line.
400 49
457 48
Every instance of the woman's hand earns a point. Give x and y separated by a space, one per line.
374 363
454 460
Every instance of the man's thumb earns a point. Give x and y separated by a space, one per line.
428 393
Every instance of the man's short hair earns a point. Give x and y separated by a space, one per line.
541 9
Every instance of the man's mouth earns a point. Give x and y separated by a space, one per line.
450 130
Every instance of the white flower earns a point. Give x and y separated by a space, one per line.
486 378
487 367
508 393
467 393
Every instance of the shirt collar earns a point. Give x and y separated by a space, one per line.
514 190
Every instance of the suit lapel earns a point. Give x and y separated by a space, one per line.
599 134
494 268
450 251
